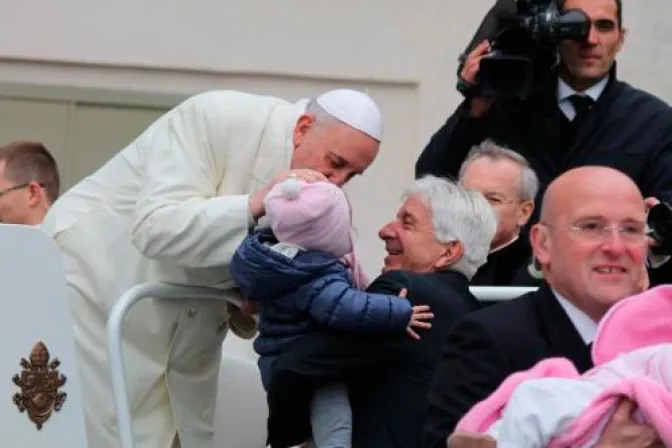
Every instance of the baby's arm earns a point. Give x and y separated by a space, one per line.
335 303
540 410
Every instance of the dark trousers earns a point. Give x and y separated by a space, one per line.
313 361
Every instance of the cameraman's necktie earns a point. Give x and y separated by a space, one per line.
582 105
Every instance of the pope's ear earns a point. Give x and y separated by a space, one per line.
303 124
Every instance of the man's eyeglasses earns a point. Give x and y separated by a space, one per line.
495 200
17 187
633 233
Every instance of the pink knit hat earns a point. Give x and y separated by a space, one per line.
639 321
314 216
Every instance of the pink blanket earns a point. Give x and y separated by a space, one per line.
632 353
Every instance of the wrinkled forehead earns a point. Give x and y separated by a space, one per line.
415 208
493 176
354 147
619 208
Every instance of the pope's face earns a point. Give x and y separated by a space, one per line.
332 148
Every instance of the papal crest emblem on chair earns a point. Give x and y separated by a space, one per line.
40 384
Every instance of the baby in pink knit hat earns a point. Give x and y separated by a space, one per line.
313 216
304 275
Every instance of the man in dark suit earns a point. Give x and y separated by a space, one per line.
592 255
433 250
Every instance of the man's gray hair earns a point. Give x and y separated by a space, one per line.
322 117
529 183
459 214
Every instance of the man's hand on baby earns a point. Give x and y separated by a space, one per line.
470 440
624 432
257 209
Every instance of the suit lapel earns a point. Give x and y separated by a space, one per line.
563 338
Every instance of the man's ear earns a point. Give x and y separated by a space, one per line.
303 124
622 34
525 212
35 194
541 243
451 254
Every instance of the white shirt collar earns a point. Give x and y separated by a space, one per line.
565 91
586 326
507 244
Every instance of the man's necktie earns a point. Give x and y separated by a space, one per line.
582 105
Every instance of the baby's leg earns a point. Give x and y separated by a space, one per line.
331 418
471 440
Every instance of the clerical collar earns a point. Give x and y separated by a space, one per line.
502 246
585 326
594 92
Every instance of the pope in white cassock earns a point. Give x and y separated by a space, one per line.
172 207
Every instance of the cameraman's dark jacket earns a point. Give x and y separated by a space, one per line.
626 129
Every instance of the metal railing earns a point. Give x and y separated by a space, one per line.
170 291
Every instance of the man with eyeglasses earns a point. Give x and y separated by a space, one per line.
29 183
510 185
591 244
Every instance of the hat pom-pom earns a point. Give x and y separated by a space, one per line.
291 188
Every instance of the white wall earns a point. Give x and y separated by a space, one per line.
403 51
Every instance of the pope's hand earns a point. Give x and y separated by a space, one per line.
257 200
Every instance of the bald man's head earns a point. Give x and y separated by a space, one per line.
591 240
594 179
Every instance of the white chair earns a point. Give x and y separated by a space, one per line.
240 419
500 293
41 402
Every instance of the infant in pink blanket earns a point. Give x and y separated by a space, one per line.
552 405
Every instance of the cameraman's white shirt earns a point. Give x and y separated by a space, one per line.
565 91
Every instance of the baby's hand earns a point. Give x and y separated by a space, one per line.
419 319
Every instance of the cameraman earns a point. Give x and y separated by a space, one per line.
582 116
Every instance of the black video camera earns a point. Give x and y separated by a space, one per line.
659 221
523 35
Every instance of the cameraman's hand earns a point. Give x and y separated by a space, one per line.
479 105
649 203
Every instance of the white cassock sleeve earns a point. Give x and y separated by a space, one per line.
179 217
